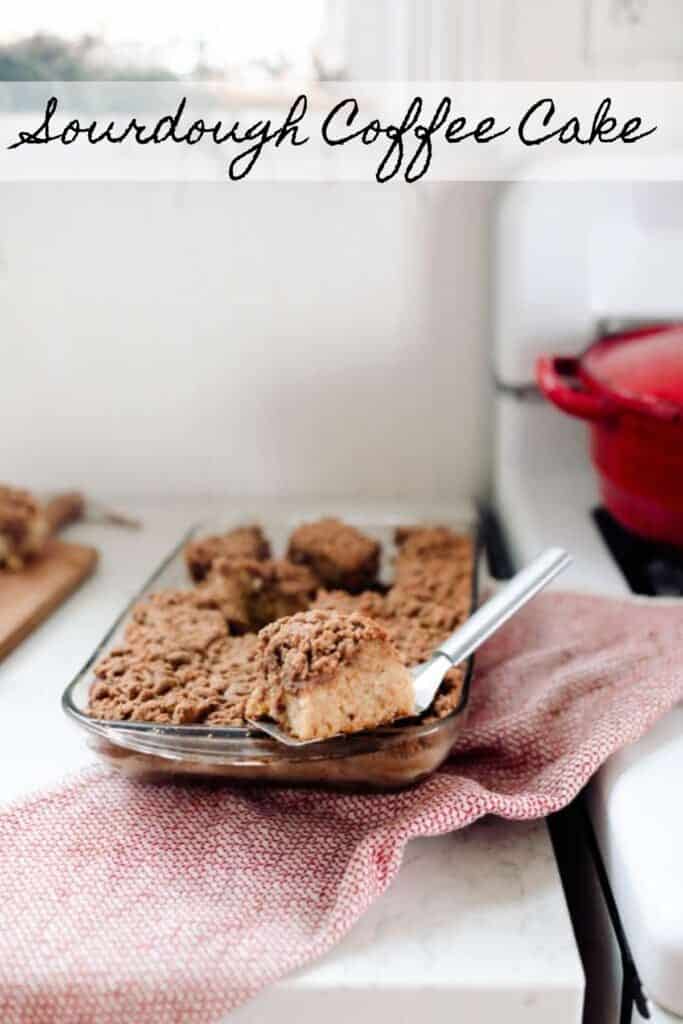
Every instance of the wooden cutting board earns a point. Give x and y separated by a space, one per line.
27 597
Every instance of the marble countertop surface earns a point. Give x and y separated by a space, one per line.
474 928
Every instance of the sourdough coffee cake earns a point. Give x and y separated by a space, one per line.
250 594
23 527
339 554
333 649
243 542
325 672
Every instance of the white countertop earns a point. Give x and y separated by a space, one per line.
475 927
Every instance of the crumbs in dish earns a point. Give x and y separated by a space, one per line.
307 640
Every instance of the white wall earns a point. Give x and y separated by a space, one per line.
569 40
265 339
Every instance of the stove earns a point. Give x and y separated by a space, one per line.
654 570
569 258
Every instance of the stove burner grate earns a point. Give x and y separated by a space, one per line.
652 569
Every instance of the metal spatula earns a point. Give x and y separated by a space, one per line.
428 676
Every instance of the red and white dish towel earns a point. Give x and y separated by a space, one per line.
124 902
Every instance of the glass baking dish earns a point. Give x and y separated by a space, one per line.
386 758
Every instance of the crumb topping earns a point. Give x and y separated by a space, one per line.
288 577
243 542
179 688
23 526
368 602
433 581
171 619
431 542
339 554
414 627
308 648
17 510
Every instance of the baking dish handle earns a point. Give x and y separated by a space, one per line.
558 378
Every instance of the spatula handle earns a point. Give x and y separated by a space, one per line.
508 600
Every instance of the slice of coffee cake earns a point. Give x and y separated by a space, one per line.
327 673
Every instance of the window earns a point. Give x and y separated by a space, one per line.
247 42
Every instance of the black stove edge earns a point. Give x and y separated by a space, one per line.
574 820
571 829
495 544
632 990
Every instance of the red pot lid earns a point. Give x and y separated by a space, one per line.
643 365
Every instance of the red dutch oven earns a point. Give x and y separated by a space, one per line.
629 387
